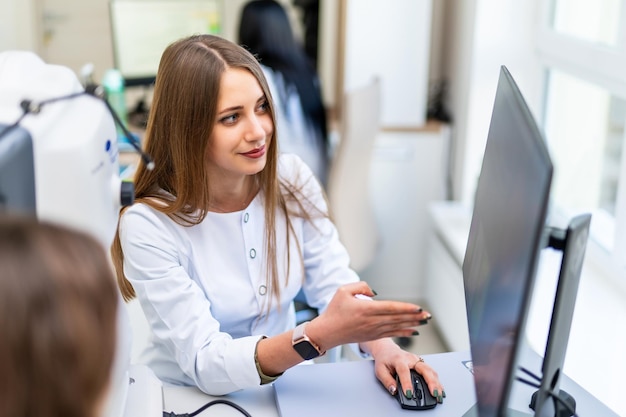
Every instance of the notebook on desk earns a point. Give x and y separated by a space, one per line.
351 388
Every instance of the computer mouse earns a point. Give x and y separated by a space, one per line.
422 399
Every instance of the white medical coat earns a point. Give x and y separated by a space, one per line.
203 288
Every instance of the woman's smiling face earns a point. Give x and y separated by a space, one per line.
243 128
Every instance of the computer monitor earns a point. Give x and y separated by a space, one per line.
507 232
142 29
17 171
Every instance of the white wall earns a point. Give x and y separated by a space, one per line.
393 44
483 35
16 25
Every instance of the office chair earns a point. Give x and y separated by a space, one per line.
348 180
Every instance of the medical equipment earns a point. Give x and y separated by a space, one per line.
67 137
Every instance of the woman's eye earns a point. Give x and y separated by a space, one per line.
229 120
263 107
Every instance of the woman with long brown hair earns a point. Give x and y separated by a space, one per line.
224 233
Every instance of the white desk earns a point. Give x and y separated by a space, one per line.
259 402
350 388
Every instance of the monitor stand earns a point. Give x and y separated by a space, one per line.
573 243
558 409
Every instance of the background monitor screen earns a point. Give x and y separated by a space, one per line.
506 235
141 30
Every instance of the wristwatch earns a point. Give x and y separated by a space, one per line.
303 345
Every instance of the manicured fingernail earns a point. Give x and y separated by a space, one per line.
436 393
409 394
392 389
415 333
375 293
419 310
444 394
423 321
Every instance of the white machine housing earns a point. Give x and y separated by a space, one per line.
77 183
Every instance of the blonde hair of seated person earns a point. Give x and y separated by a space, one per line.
58 303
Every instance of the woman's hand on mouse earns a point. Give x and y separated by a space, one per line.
391 360
353 317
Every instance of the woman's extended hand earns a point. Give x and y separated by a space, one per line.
351 319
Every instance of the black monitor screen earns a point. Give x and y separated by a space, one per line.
142 29
17 171
506 236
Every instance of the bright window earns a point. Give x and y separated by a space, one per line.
585 130
594 21
580 44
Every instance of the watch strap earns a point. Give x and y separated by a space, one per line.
307 348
